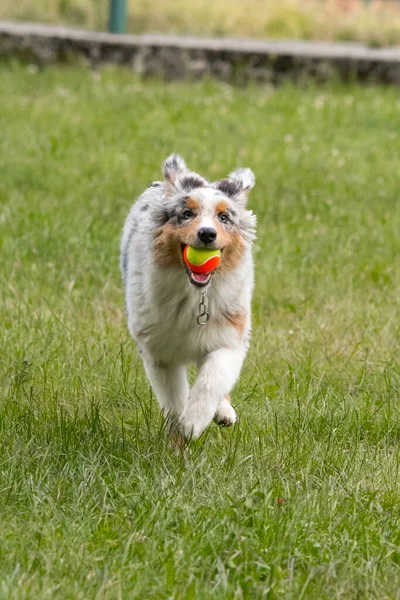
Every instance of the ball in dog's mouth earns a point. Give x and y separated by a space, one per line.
201 263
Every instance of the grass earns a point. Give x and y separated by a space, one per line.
301 499
372 21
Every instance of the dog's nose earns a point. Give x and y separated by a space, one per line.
207 235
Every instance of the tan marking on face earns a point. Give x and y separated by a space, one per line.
168 242
222 207
188 233
228 398
193 204
233 247
166 247
237 320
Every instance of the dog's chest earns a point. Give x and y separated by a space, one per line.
169 327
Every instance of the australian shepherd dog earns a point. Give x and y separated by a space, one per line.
179 317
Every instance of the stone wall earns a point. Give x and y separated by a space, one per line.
175 57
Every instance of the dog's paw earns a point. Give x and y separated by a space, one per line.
190 429
194 420
226 414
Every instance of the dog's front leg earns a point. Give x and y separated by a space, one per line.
170 385
217 375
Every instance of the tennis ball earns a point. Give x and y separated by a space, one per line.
201 260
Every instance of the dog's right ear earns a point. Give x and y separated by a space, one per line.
179 178
174 168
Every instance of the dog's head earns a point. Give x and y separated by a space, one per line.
198 213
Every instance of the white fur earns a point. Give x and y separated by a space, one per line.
162 307
225 414
245 178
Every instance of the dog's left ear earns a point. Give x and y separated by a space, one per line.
238 185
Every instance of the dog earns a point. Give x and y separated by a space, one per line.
178 317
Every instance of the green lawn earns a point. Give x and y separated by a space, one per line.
93 504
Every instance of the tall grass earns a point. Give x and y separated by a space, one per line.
301 498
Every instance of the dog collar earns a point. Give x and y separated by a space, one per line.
204 315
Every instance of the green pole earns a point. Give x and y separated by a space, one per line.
117 21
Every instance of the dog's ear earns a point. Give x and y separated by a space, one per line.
178 177
237 185
174 168
244 178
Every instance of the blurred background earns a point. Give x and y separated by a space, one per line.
375 22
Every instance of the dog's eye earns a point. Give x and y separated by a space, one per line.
223 217
187 214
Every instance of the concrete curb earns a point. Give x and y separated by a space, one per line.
174 57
